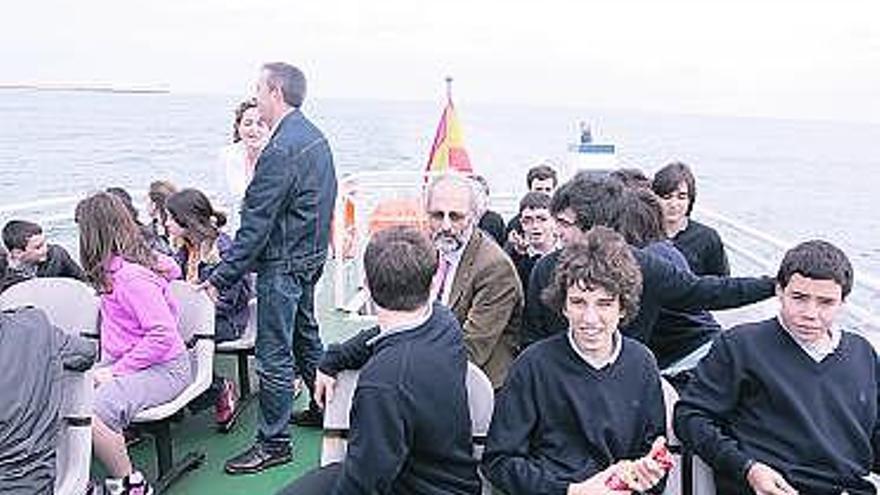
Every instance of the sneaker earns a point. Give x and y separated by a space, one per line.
309 418
258 458
133 484
227 400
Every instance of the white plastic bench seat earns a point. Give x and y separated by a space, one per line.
72 306
248 339
196 325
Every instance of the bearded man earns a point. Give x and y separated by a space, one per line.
475 278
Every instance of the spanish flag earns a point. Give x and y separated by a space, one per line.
447 152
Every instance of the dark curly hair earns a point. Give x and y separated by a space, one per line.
602 259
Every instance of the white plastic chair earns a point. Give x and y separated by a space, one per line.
481 399
196 326
673 480
336 418
481 402
73 307
704 477
700 480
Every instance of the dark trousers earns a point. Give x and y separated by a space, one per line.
316 482
287 340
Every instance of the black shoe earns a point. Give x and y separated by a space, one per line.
309 418
257 458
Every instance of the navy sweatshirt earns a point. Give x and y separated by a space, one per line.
703 249
663 285
759 396
558 420
410 422
678 333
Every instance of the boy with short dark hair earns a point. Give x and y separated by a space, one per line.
29 255
539 234
410 422
790 404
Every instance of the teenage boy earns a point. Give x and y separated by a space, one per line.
410 422
789 405
29 255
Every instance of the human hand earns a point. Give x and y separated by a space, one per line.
644 473
209 289
650 469
324 387
765 480
595 485
519 243
101 375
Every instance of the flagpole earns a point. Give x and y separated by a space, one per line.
449 89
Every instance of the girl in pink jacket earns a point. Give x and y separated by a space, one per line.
144 359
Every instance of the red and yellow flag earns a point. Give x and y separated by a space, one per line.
447 152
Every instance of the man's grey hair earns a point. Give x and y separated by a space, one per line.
475 190
289 79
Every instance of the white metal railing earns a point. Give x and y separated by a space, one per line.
365 190
866 289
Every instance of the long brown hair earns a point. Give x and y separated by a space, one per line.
107 229
158 194
192 210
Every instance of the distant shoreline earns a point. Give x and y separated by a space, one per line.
84 89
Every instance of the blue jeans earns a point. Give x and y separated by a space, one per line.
287 340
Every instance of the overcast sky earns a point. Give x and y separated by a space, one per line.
817 59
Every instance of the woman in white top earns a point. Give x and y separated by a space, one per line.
249 133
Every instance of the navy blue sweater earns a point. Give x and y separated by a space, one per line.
703 249
759 396
410 422
677 333
663 285
558 421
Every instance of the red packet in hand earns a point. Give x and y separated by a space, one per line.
622 479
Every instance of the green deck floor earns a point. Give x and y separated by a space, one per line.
197 432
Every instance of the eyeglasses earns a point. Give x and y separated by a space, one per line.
564 222
454 216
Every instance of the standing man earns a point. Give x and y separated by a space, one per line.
284 233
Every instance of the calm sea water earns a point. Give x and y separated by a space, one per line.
794 179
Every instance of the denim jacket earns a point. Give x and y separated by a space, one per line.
285 215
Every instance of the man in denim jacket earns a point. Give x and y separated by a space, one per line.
284 234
